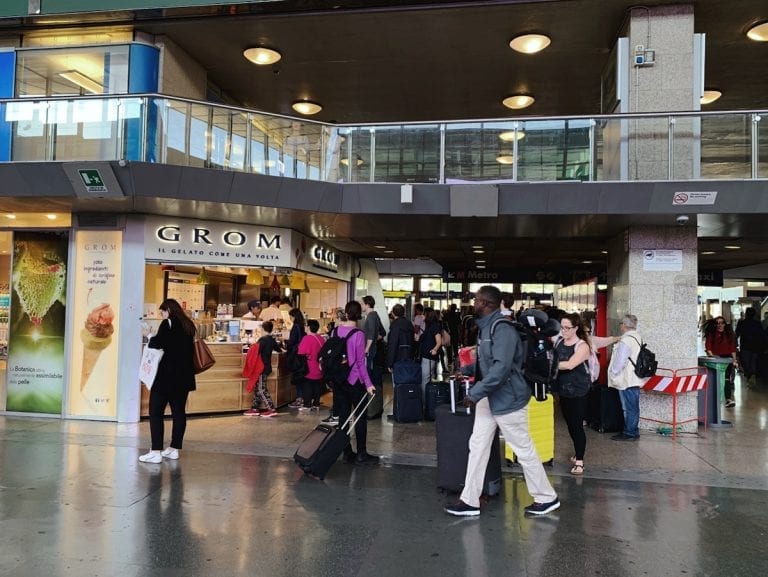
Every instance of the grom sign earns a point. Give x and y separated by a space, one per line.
202 242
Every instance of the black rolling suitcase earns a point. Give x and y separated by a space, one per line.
376 408
407 404
604 413
436 394
322 447
453 432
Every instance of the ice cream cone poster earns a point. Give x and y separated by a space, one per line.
96 299
36 338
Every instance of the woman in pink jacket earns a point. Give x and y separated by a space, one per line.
310 346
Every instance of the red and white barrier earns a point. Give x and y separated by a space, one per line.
675 382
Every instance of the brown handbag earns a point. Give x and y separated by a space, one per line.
202 357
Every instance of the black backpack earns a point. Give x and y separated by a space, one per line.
646 364
333 357
539 360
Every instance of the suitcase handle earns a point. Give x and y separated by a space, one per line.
357 413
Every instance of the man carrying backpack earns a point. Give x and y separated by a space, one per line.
500 395
621 376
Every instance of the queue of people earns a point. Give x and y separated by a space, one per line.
500 395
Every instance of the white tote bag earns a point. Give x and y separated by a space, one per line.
150 359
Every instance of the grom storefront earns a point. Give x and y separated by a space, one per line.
213 269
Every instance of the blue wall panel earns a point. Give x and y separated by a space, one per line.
7 81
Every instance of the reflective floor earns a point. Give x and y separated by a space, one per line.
74 501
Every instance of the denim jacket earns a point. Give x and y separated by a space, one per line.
500 362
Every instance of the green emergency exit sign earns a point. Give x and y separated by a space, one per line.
92 180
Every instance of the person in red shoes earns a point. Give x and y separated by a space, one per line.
266 345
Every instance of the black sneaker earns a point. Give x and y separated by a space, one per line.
542 508
461 509
367 459
623 437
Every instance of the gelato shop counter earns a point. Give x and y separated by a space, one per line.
222 387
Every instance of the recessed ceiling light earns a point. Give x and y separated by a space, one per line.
50 216
379 246
477 246
306 107
10 215
708 252
586 262
529 43
732 247
758 32
389 251
518 101
261 55
603 252
479 266
710 96
478 251
511 135
480 261
505 159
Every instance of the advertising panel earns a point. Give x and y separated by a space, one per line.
96 300
314 256
37 319
171 240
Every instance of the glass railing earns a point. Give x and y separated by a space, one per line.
152 128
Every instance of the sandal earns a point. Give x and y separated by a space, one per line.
572 460
577 469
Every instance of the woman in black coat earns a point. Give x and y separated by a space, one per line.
175 378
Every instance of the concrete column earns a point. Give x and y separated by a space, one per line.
664 302
666 85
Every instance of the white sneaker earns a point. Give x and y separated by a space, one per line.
151 457
170 453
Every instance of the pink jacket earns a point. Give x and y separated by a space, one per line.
310 346
356 356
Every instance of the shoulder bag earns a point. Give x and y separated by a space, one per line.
202 357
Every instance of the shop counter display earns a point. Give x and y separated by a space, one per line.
222 387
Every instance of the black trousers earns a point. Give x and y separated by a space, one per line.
158 400
345 398
575 411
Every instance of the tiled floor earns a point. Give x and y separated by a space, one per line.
74 501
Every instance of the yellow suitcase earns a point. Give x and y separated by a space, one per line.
541 425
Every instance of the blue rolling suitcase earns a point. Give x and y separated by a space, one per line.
407 404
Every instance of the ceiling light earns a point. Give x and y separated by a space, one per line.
732 247
389 251
480 261
603 252
758 32
358 161
479 251
284 281
586 262
708 252
297 282
50 216
79 79
479 266
379 246
710 96
202 278
511 135
477 246
518 101
505 159
10 216
529 43
306 107
261 55
254 277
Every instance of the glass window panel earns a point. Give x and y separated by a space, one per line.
407 153
177 126
476 152
554 150
762 153
725 146
72 70
197 138
404 283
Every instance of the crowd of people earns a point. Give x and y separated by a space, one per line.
433 338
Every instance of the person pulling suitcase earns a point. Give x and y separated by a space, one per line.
500 396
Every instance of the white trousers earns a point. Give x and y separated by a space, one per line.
514 427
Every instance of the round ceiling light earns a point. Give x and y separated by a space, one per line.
306 107
758 32
529 43
262 56
505 159
710 96
511 135
518 101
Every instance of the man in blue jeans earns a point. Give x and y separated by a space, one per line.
621 376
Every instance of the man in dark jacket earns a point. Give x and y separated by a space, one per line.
400 339
500 396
